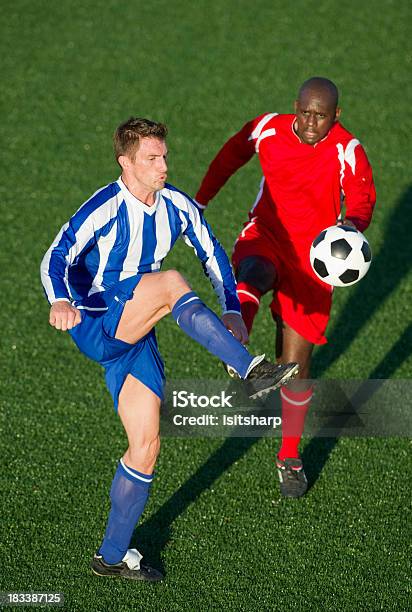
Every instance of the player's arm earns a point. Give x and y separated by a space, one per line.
235 153
70 242
198 234
359 188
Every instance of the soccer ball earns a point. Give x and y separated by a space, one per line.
340 255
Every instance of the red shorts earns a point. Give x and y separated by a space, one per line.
301 299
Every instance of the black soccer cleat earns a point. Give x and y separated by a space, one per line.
130 567
293 482
265 377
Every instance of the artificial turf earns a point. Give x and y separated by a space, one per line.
215 521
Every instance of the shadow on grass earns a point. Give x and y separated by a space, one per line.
389 267
153 535
317 451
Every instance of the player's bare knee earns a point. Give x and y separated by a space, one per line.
152 450
258 272
176 284
143 453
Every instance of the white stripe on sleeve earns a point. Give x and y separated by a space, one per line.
258 129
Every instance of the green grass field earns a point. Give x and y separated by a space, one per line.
215 522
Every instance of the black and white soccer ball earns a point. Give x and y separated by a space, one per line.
340 255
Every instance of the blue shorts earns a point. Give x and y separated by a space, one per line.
95 337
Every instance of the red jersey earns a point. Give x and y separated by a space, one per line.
302 187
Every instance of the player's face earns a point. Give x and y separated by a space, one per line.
149 166
315 115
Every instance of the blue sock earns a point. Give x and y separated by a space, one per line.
129 493
204 326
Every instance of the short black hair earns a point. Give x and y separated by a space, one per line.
320 84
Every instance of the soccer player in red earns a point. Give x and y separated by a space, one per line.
312 166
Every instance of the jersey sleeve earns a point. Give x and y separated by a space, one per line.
196 232
92 220
236 152
357 185
73 238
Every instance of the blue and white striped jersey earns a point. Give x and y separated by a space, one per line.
113 237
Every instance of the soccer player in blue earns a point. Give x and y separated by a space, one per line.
102 278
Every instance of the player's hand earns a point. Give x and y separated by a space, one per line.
346 222
64 316
234 323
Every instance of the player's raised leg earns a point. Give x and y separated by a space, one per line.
162 293
295 401
153 299
139 410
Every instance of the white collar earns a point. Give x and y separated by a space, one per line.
131 199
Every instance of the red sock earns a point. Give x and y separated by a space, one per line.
249 298
295 405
